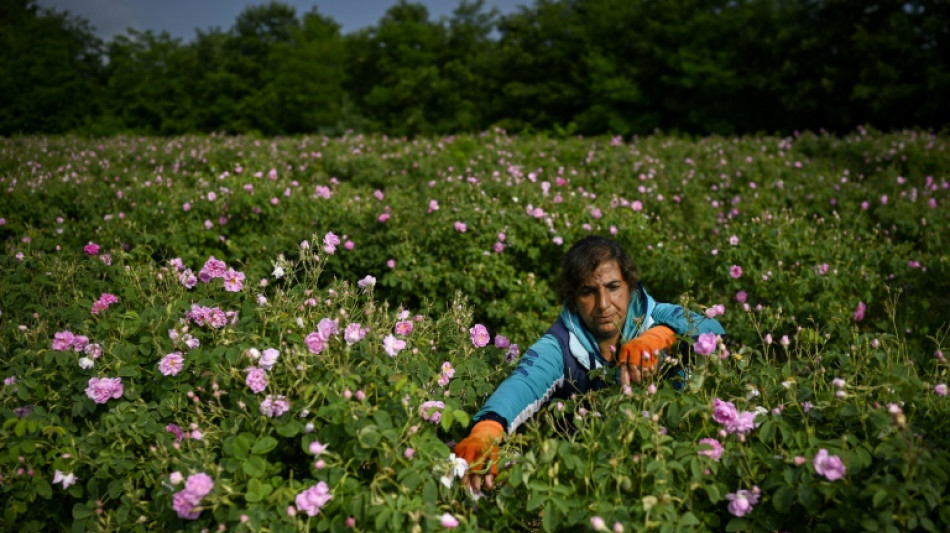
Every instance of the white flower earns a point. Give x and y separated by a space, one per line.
457 469
278 272
65 479
86 363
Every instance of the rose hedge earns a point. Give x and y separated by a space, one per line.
177 357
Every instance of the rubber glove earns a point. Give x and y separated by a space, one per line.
481 441
643 351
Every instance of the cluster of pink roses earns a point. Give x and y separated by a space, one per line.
314 498
274 405
448 371
213 268
210 316
197 486
316 341
103 303
732 419
102 389
66 340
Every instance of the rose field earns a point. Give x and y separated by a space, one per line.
216 333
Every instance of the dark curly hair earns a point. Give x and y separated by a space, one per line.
583 259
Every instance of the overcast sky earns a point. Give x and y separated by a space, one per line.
182 17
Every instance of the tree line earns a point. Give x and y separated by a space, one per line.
561 66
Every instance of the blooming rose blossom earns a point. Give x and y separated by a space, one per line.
502 342
706 343
171 364
742 501
367 282
63 340
710 448
829 466
256 379
403 328
354 333
715 311
274 406
80 342
233 280
196 488
330 242
479 335
735 271
101 390
91 248
188 279
199 485
315 342
328 327
393 345
268 358
940 389
213 268
313 499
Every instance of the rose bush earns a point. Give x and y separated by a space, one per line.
283 334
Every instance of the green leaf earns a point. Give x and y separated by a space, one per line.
264 445
241 447
383 518
738 524
880 498
448 417
290 429
43 488
783 498
129 371
255 466
82 511
689 519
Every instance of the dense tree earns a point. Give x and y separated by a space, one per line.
49 69
568 66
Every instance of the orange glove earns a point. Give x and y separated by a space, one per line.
651 342
481 441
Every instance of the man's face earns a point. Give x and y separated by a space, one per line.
602 302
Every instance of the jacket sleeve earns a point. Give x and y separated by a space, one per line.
685 322
528 388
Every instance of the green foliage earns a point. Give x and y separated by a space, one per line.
788 210
592 67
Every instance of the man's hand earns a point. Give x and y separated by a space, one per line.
640 356
481 443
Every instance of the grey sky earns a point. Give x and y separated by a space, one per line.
181 18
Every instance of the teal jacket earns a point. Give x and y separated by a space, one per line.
558 364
